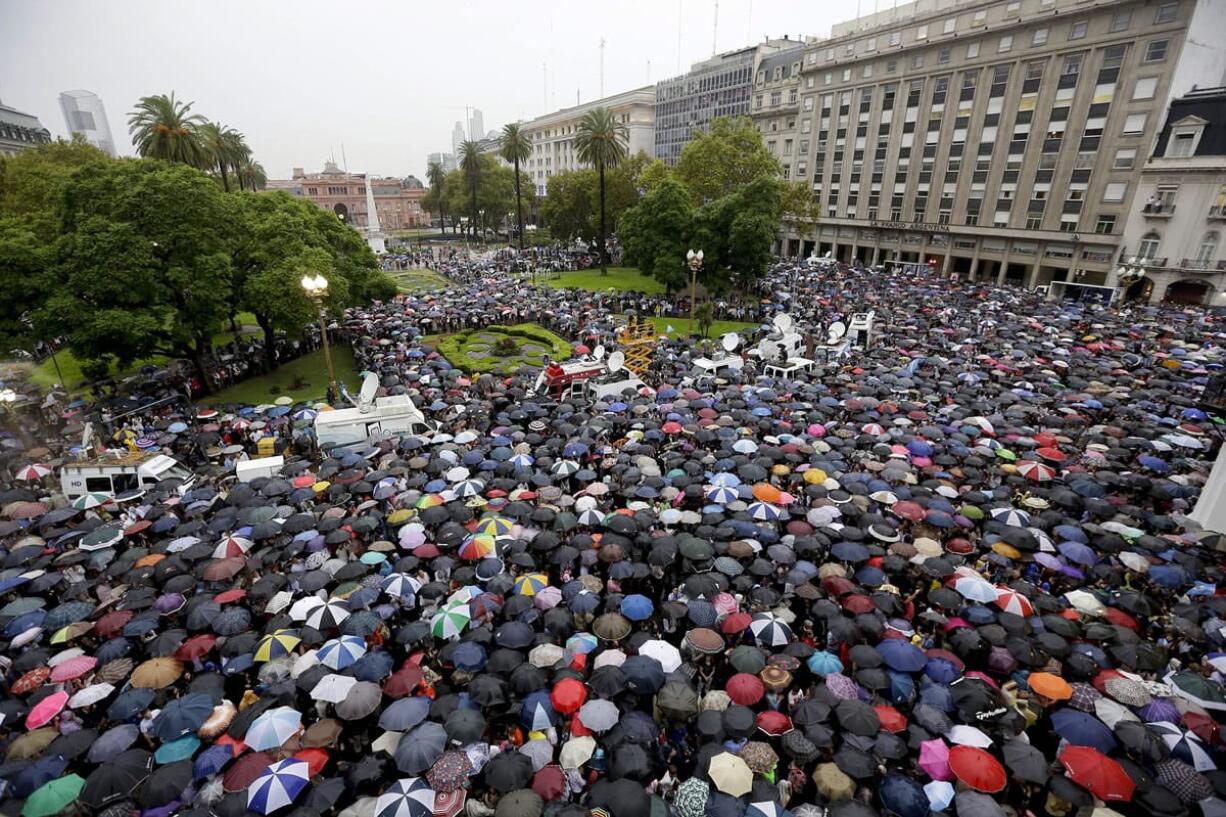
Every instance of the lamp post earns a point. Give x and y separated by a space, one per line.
316 288
694 259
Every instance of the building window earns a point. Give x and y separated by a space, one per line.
972 51
1077 31
921 33
896 38
847 75
1125 158
917 60
949 25
1114 192
1105 225
1034 221
1166 13
943 56
1039 38
1148 249
1208 248
1134 125
870 44
1013 8
1145 88
1182 145
1006 43
867 71
1121 21
1219 203
1155 51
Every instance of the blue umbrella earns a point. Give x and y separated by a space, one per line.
469 656
637 607
644 675
904 796
404 714
1082 729
850 551
30 776
537 712
373 667
177 749
182 715
113 741
942 670
902 688
130 704
1078 553
1169 576
1154 463
824 663
902 656
211 761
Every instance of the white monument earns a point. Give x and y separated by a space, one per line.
374 236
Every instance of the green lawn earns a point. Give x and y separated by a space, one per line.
681 327
619 278
44 375
414 281
474 350
311 368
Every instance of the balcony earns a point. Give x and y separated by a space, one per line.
1197 265
1217 213
1158 210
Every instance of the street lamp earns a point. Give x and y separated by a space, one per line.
694 259
316 288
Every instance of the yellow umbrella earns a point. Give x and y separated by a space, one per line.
730 774
31 744
1006 550
814 476
66 634
399 515
157 673
833 783
277 645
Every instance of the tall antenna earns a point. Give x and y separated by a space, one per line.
649 72
715 31
344 158
602 67
679 4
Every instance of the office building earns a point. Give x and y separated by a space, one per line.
447 160
993 139
397 201
85 116
719 86
476 125
553 135
1173 230
458 137
20 131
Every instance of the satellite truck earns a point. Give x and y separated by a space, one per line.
372 418
118 470
590 376
780 351
727 361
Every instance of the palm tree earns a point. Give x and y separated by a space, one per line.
436 176
164 128
601 143
470 163
252 173
224 148
514 147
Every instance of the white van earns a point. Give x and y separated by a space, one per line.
124 471
612 389
249 470
387 417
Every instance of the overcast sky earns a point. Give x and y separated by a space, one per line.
386 78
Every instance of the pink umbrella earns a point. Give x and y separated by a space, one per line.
73 668
934 759
45 710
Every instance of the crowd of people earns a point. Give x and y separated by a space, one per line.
953 573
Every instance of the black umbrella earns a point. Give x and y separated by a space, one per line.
509 771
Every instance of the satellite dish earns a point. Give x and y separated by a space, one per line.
730 341
617 361
783 322
598 353
766 349
366 397
836 332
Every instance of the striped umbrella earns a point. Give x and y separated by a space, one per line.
476 546
276 645
327 616
1011 516
407 797
273 728
450 621
400 586
469 487
530 584
87 501
1012 601
341 652
522 460
33 472
232 546
769 631
564 468
592 518
1036 471
764 512
1184 745
495 525
722 495
278 786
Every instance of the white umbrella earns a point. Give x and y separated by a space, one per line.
576 752
90 695
964 735
664 652
333 688
599 715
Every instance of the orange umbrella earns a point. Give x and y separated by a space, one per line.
1050 686
157 673
150 560
766 492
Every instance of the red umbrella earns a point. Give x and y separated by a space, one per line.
550 783
745 689
403 682
315 759
31 681
230 596
1051 454
977 769
735 623
1121 618
908 510
139 527
1091 769
223 569
857 603
838 585
774 723
568 695
113 622
196 647
671 427
243 772
891 719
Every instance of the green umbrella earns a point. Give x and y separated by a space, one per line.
53 797
1006 454
86 501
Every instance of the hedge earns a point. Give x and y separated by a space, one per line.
452 346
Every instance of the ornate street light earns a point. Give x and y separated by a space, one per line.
694 259
316 288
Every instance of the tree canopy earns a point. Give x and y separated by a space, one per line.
656 232
724 159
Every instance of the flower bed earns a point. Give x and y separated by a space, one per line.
476 350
